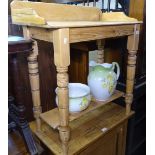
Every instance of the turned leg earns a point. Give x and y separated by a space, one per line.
132 47
34 79
62 61
100 51
34 82
17 108
62 82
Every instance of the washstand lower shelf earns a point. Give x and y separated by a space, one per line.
103 130
52 117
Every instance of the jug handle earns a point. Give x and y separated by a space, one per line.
118 68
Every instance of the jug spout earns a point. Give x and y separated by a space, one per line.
100 67
105 65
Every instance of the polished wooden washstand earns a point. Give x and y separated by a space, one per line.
101 128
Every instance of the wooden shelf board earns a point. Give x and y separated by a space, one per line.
52 117
84 130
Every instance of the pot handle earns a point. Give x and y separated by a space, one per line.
118 68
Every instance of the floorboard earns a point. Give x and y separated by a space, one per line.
16 144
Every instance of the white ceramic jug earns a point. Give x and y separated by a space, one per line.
102 79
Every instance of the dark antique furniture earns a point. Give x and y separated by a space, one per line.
18 47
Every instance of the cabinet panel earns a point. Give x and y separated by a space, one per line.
105 145
113 143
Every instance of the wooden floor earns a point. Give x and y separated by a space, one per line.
16 144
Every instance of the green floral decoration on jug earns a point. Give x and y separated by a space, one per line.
102 80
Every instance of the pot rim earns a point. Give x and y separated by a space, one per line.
80 85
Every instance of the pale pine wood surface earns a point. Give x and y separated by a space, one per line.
112 143
61 47
100 32
69 24
52 117
85 130
56 15
132 46
84 33
57 12
100 51
61 24
34 79
62 80
62 61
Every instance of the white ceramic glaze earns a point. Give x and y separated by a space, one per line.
102 80
79 97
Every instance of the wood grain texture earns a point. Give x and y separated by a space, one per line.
132 47
133 40
116 16
76 24
40 33
84 34
21 16
52 117
100 51
79 66
85 130
77 32
105 145
61 47
111 143
62 69
16 144
35 88
69 24
79 57
62 61
59 12
102 32
34 79
136 9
